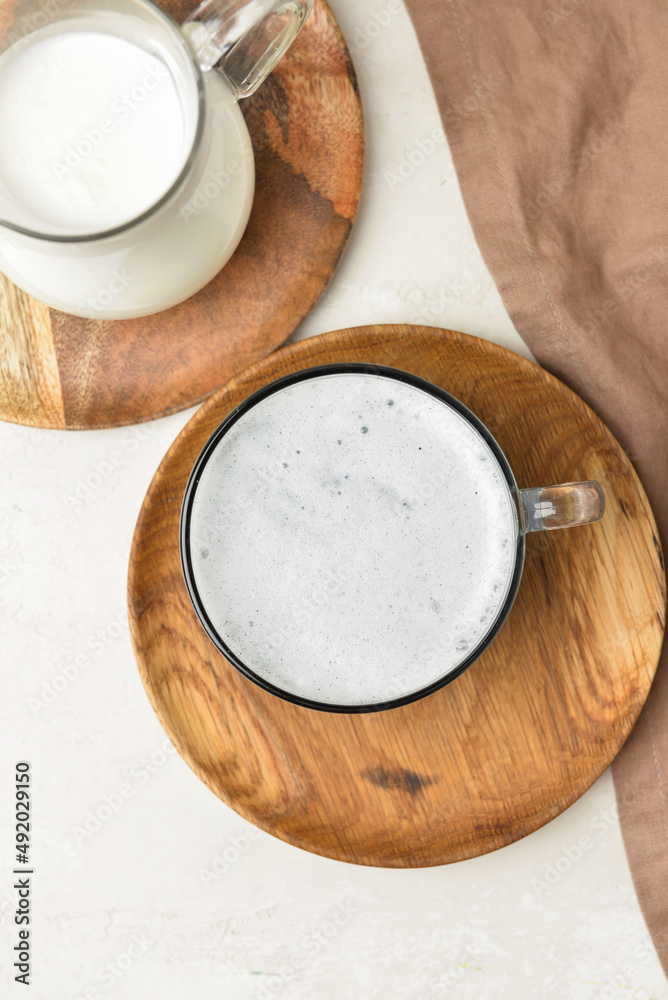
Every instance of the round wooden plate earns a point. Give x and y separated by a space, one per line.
510 743
306 125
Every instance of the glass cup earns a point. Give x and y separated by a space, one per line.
537 509
160 237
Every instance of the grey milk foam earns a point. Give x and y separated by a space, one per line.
352 538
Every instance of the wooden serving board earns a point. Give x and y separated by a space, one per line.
306 125
502 749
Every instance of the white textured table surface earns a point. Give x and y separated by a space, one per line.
146 887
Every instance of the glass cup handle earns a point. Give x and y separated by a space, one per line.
244 39
547 507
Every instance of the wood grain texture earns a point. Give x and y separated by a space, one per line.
29 375
501 750
308 137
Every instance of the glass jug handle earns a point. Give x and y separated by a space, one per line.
244 39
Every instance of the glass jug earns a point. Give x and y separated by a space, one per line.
126 168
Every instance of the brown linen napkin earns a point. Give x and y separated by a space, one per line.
557 116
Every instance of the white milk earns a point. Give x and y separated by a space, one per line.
353 539
94 130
